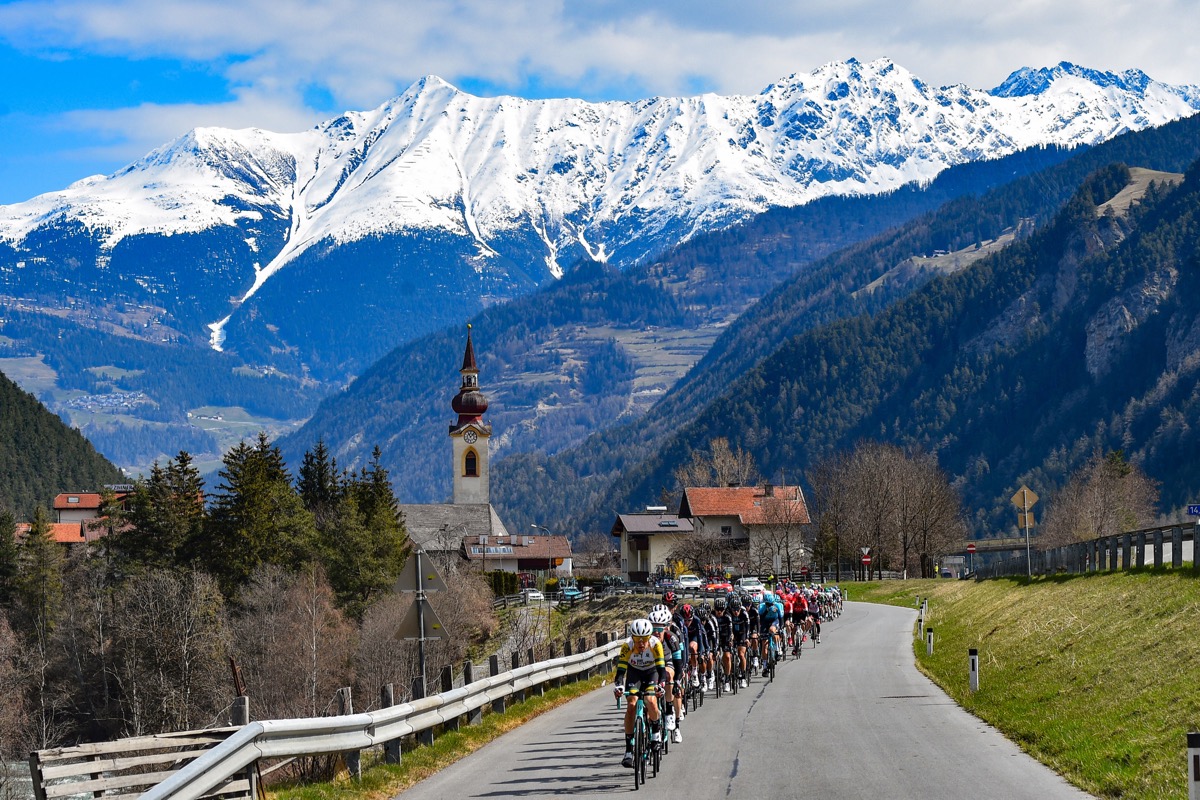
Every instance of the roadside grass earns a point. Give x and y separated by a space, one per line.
382 781
1094 675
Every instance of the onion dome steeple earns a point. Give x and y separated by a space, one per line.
470 404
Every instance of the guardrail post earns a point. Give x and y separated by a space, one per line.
1193 744
568 650
448 685
1139 543
391 748
239 712
973 667
1158 549
1176 547
1093 563
425 737
1126 552
499 703
476 716
518 697
351 757
1196 550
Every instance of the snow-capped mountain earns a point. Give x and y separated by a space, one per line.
414 214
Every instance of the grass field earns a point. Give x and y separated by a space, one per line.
1094 675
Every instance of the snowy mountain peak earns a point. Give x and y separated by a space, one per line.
519 189
1027 81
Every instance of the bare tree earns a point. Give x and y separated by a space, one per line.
780 535
1104 497
170 644
295 647
707 552
720 465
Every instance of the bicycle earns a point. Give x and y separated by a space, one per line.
644 751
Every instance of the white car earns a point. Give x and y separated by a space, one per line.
752 585
532 596
689 581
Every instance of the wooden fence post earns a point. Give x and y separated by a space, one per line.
1139 543
391 748
351 757
1177 547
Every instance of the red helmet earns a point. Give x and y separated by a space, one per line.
687 610
669 598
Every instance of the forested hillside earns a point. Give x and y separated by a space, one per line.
601 346
582 488
1080 338
40 456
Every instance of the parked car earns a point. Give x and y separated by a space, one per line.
572 593
532 596
689 581
664 583
754 586
718 585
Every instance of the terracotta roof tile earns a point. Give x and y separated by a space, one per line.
750 504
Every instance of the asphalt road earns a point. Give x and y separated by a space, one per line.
852 718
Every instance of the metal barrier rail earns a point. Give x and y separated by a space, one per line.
313 736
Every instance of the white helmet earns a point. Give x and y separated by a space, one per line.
660 617
641 627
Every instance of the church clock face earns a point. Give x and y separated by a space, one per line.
470 436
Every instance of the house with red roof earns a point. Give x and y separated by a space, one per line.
769 524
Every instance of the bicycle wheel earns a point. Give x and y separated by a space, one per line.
639 748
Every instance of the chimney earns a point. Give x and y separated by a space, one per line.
768 490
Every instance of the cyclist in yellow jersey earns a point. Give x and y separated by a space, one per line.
642 668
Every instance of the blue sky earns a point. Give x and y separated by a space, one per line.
90 85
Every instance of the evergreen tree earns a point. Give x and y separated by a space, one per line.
319 485
365 548
164 525
257 518
9 558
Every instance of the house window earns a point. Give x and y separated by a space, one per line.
471 464
727 530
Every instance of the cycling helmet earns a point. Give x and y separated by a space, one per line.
768 597
735 603
719 604
660 617
669 598
659 607
641 627
687 610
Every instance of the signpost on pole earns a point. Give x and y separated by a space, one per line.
971 552
1024 500
421 622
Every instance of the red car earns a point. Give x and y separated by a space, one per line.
718 585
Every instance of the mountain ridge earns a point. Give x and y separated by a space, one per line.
509 191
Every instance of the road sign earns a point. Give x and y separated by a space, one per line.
864 550
431 581
1194 511
866 559
1026 520
1024 498
971 548
410 626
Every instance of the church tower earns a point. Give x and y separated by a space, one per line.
469 437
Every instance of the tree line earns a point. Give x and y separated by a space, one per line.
133 633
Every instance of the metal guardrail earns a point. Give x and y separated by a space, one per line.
314 736
1149 547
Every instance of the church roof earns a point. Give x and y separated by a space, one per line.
442 526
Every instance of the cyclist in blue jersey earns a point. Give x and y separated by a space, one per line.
770 617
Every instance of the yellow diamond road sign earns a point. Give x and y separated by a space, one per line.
1024 498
